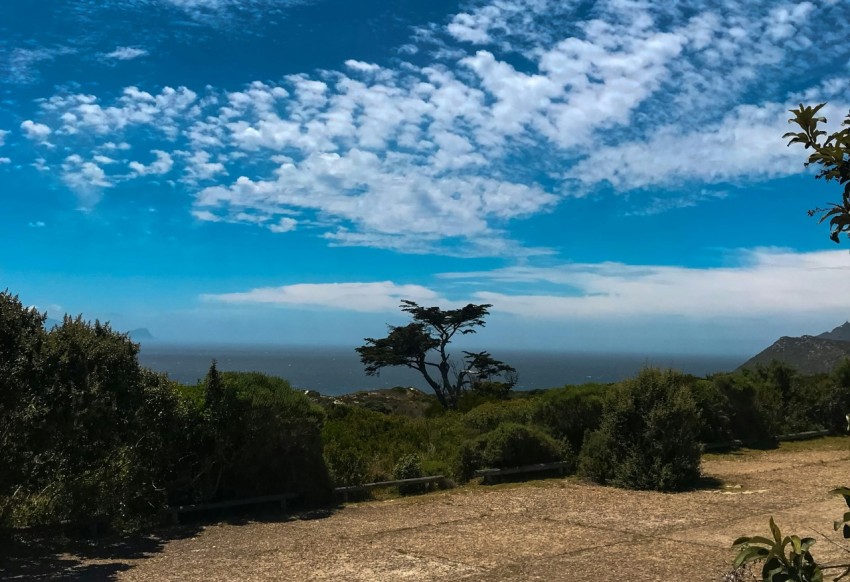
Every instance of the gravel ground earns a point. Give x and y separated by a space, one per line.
558 529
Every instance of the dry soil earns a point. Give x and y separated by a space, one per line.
557 529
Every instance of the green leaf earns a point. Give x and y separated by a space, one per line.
750 554
774 571
777 535
797 544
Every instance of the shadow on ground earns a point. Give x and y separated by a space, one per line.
30 556
68 556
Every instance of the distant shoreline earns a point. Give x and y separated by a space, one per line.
336 370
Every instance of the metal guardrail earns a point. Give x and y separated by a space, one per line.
344 491
489 473
801 436
281 498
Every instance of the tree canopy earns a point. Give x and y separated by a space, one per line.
421 346
832 153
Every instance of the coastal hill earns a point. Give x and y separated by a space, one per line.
808 354
840 333
140 334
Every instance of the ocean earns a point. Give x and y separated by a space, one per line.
335 370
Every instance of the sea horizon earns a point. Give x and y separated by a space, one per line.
336 370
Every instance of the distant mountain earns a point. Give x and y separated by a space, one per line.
140 334
840 333
807 354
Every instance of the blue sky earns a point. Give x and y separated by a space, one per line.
609 175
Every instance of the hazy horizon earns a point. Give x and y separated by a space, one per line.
338 370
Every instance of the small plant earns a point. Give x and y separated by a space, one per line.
785 559
788 559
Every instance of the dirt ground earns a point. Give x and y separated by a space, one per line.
557 529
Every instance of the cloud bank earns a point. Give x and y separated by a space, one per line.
766 283
519 105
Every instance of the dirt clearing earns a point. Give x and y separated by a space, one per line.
558 529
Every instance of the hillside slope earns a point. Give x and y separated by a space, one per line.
807 354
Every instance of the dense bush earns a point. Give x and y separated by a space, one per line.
22 406
750 410
380 440
756 405
346 466
509 445
86 432
836 405
409 467
488 416
568 413
715 412
272 438
648 435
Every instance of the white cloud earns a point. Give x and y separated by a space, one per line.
110 146
472 28
86 178
35 131
3 134
162 165
5 161
221 13
199 167
285 224
126 53
166 112
419 158
368 297
767 283
19 65
661 204
747 141
206 216
37 224
362 66
385 196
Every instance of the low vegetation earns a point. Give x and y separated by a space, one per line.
86 432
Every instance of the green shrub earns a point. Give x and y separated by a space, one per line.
648 435
271 439
776 385
381 440
753 409
346 467
715 412
568 413
509 445
409 467
488 416
837 402
87 431
595 462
